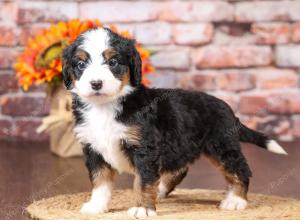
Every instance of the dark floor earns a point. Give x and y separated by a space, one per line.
28 171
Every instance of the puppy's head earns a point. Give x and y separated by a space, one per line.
101 66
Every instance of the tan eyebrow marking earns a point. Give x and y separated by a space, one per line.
109 53
82 55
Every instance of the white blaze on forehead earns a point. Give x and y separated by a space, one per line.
94 43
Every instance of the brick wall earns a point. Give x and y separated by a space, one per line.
245 52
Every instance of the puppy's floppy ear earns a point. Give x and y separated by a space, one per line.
67 67
127 46
135 66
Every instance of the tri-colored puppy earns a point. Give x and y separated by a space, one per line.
153 134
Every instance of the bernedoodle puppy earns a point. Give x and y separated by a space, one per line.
154 134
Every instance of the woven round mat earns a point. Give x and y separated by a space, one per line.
181 204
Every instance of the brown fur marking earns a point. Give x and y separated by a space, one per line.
145 196
72 75
235 184
133 135
104 174
82 55
125 79
171 180
109 53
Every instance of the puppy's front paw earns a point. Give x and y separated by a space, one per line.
233 203
93 208
141 212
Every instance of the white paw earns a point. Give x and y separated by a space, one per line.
233 203
141 212
93 208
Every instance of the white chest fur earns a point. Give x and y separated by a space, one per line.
104 133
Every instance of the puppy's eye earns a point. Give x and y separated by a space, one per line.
113 62
81 65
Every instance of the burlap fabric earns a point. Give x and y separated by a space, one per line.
59 124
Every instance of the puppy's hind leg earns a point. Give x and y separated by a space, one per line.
169 181
234 167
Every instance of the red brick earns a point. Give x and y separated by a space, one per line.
8 82
267 11
271 78
5 129
162 79
272 33
170 11
288 56
31 12
173 59
255 104
7 57
26 130
282 127
29 31
196 11
119 11
193 34
8 35
204 80
294 8
230 99
278 103
273 126
224 35
25 106
296 33
262 11
8 12
250 122
235 81
129 27
232 56
294 102
257 122
284 102
153 33
296 126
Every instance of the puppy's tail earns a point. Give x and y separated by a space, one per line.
250 136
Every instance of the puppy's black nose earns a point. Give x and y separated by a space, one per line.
96 84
